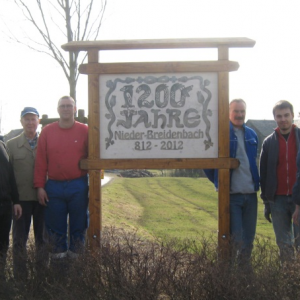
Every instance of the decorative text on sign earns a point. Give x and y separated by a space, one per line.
159 116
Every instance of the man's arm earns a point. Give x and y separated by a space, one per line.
296 215
40 169
3 150
13 185
296 187
210 174
41 164
263 163
8 148
42 196
17 211
14 193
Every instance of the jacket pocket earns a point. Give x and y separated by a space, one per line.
252 143
20 156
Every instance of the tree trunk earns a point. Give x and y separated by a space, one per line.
72 78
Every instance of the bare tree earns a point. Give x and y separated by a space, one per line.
58 22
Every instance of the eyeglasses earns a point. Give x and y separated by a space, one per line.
68 106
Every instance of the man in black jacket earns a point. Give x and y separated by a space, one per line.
8 196
277 177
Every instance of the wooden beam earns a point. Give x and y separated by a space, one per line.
224 173
224 214
94 230
236 42
187 163
158 67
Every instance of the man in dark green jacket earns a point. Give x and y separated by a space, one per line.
22 150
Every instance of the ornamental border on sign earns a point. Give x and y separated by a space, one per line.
183 105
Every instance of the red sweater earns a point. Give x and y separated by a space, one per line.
286 167
59 152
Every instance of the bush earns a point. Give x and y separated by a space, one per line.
128 267
193 173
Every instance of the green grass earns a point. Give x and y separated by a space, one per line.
168 207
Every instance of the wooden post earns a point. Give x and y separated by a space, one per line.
94 232
224 174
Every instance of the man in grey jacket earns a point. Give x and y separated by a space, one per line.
22 150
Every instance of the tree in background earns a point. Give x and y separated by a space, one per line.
58 22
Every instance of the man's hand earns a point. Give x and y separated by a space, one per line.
17 211
267 212
296 215
42 196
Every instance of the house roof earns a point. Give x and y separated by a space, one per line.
12 134
264 127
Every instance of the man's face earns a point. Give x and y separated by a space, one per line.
66 109
237 114
284 119
30 123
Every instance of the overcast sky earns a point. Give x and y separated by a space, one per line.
268 72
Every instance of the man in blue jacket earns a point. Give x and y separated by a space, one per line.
244 182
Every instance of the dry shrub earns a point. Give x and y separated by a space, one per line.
128 267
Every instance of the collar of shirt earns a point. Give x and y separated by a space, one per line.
33 142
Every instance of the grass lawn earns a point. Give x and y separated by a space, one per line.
172 207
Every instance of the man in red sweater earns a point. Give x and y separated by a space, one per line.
62 186
277 177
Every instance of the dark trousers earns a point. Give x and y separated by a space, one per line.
5 224
30 210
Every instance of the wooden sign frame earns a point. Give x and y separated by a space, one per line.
223 162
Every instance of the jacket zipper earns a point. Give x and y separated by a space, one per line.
287 165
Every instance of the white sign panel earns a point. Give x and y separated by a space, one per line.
159 116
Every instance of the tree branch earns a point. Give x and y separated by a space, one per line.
79 23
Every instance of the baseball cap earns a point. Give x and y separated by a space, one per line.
29 110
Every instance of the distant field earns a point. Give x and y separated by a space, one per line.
172 207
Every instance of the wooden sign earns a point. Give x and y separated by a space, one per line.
159 115
163 115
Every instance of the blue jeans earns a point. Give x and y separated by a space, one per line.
243 217
67 198
287 233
